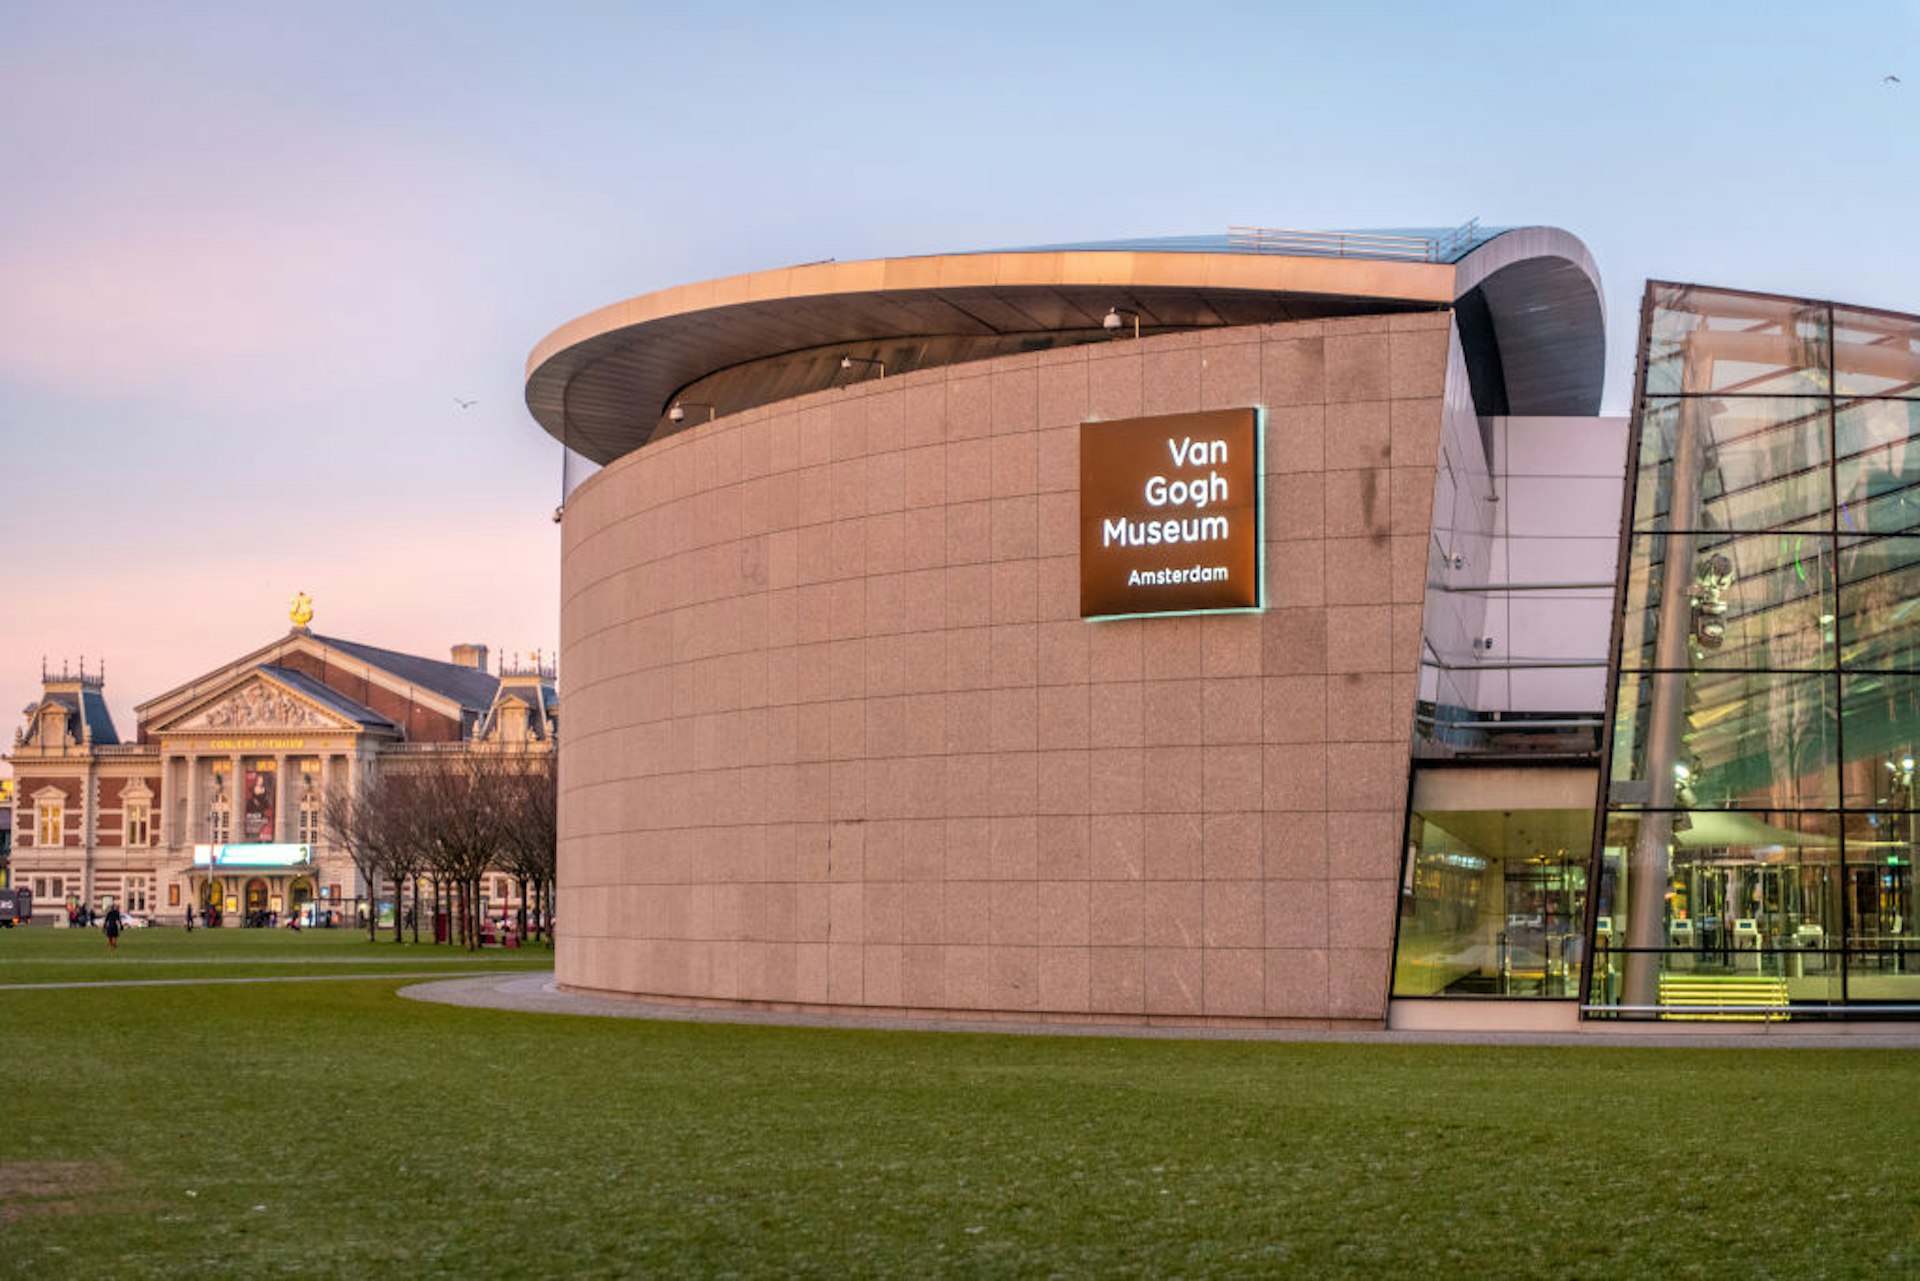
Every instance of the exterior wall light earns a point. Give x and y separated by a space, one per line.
848 362
678 413
1111 322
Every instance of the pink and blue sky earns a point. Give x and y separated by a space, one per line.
250 255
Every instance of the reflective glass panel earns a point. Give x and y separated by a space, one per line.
1743 739
1878 477
1882 936
1880 727
1494 903
1875 354
1752 601
1879 603
1703 340
1759 463
1744 897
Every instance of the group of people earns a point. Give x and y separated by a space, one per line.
111 922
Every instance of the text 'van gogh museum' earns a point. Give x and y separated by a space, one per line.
1260 629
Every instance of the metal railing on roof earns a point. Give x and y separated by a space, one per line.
1356 244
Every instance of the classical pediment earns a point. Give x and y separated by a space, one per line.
255 705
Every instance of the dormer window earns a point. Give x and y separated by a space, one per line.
53 727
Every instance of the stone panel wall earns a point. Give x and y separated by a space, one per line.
837 736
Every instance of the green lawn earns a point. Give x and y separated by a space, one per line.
42 955
331 1128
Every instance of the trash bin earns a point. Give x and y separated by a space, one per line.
439 927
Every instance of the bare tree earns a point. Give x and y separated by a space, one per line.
353 816
529 830
455 799
405 844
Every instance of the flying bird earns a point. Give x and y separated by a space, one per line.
1889 80
465 404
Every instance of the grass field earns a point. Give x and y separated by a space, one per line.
331 1128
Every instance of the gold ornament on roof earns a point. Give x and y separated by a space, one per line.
302 611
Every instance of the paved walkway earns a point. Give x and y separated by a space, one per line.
535 993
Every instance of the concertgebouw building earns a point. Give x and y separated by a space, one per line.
214 809
1261 629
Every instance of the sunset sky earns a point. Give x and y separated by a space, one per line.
250 255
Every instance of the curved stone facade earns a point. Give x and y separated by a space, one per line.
839 738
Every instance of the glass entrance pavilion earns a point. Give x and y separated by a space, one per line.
1752 851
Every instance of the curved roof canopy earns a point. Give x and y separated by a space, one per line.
1528 298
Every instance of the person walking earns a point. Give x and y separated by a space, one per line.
111 926
189 918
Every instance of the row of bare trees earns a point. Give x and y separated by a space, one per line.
450 819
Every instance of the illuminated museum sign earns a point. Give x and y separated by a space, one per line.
1170 514
261 855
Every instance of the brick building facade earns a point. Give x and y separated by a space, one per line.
217 799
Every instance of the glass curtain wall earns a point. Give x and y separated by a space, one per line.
1757 850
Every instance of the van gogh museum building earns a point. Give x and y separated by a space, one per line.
1259 629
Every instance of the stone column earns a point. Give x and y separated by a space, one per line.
237 802
188 833
284 826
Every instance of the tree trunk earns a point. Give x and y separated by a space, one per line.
399 905
416 909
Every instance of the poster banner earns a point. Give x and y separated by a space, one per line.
258 823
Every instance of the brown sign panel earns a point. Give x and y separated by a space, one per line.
1170 514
